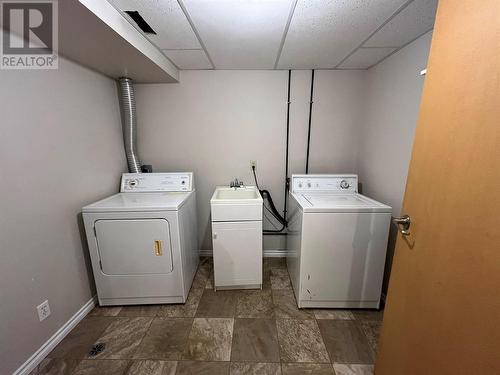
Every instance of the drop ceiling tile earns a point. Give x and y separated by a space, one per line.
189 59
167 20
363 58
240 34
413 21
323 32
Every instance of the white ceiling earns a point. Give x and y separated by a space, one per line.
240 34
282 34
414 20
189 58
365 57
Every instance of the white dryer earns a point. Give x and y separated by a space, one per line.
143 241
336 244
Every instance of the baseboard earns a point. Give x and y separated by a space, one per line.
206 253
56 338
274 253
267 253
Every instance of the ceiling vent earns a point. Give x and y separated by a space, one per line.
143 25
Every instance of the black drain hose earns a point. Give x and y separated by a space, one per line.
272 208
276 214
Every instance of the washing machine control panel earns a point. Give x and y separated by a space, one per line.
151 182
325 183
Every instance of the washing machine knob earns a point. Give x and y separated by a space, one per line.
344 184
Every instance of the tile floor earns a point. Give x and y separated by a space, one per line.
224 332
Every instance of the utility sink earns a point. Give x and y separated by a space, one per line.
236 204
237 237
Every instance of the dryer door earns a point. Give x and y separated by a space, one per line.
134 246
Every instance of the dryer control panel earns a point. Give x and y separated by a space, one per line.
325 183
154 182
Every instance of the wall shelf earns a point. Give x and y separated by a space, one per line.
96 35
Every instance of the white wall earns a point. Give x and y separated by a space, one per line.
214 122
337 117
393 91
60 149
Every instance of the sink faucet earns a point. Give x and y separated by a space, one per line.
236 183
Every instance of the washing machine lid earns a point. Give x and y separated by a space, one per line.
335 202
165 201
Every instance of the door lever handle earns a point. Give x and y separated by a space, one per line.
403 223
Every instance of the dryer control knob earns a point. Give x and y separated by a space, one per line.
344 184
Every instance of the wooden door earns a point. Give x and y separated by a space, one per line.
443 309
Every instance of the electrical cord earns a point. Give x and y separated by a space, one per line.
255 177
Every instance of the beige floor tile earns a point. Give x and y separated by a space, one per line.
220 304
101 367
300 341
186 310
202 274
255 340
307 369
202 368
376 315
151 367
165 339
210 282
210 340
353 369
372 331
122 337
81 339
105 311
333 314
266 279
139 310
252 368
255 304
57 366
346 342
274 262
280 282
285 306
279 271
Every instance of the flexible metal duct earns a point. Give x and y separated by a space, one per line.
129 123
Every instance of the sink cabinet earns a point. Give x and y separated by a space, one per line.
237 237
237 250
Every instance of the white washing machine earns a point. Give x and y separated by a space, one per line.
337 242
143 241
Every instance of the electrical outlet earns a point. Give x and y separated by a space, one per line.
253 163
43 310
